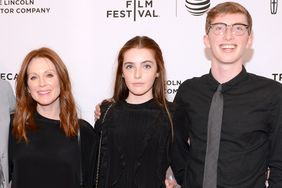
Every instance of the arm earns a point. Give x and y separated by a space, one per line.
99 126
275 163
180 146
88 152
10 150
11 98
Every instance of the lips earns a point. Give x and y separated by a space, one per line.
228 46
137 84
43 92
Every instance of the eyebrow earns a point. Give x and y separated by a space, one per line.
146 61
237 23
47 71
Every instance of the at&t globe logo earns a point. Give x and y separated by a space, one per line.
197 7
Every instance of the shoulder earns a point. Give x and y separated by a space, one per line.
267 83
191 82
6 88
85 127
5 85
256 77
105 105
7 95
170 106
191 86
88 136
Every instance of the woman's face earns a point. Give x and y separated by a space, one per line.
139 73
43 83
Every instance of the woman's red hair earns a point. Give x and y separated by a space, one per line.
26 107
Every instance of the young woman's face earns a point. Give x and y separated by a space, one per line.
43 83
139 73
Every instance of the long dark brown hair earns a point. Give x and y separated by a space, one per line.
26 105
121 90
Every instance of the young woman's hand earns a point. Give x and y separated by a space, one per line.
170 182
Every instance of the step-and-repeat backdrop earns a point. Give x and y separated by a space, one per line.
88 34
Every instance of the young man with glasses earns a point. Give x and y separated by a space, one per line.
7 105
248 112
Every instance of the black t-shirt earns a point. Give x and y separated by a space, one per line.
50 158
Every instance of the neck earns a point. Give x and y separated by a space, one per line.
49 112
137 100
225 73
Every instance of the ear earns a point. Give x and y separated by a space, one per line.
206 41
250 41
157 75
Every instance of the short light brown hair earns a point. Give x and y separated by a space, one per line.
227 8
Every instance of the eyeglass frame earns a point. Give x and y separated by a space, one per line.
227 26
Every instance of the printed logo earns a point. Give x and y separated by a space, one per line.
197 7
172 86
22 7
277 77
134 9
273 6
8 76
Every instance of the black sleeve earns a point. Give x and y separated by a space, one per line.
275 163
88 155
10 149
180 146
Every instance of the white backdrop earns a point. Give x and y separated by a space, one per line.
87 34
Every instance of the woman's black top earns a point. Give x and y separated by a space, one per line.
51 159
135 145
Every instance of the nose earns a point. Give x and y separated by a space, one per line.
137 73
42 81
228 34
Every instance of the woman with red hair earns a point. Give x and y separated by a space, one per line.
44 150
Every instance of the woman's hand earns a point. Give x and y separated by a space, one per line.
170 182
97 112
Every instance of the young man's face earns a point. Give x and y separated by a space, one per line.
228 44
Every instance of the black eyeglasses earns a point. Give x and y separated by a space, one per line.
236 29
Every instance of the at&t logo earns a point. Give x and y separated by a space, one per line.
197 7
